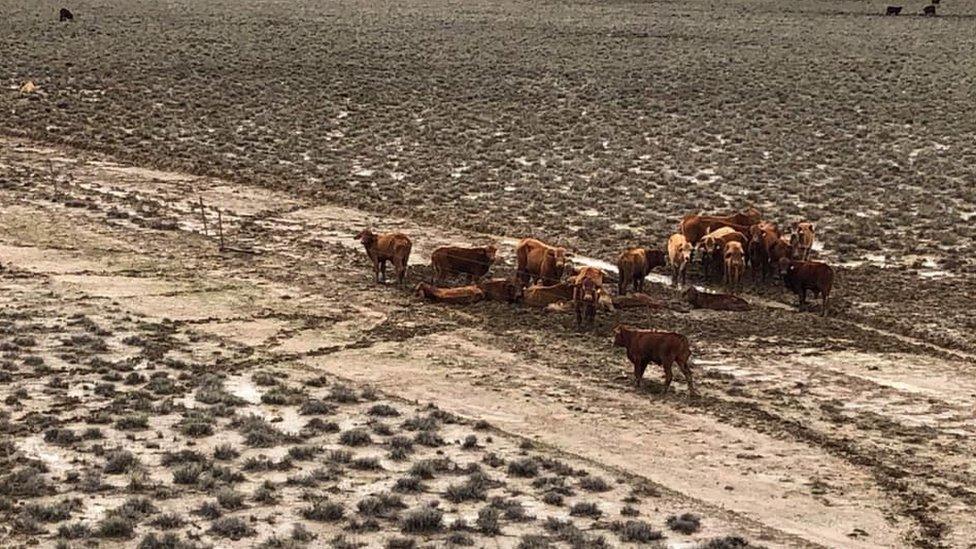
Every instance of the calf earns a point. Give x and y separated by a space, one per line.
712 247
634 265
662 348
762 236
801 239
392 247
453 260
717 302
802 276
735 264
539 262
893 10
587 290
679 256
501 289
465 295
636 301
542 296
65 15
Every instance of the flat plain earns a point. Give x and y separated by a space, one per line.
593 124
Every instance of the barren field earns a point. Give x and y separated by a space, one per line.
154 386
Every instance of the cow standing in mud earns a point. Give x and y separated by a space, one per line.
539 262
662 348
448 261
803 276
634 265
679 257
735 265
694 227
801 239
587 293
392 247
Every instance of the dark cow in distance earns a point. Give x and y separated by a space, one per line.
465 295
893 10
803 276
447 261
65 15
539 262
662 348
634 265
929 10
392 247
501 289
717 302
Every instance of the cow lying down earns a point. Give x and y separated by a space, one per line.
556 296
465 295
718 302
636 301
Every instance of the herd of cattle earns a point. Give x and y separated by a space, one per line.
725 246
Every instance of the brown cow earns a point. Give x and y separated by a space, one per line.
634 265
501 289
452 260
718 302
539 262
464 295
587 290
801 276
541 296
779 250
712 247
735 264
392 247
679 257
694 227
636 301
762 237
801 239
663 348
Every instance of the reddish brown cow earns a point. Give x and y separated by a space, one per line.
539 262
801 239
713 245
662 348
802 276
392 247
762 237
734 265
587 290
636 301
634 265
679 257
465 295
542 296
453 260
501 289
694 227
718 302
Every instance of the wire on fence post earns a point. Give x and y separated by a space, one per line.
203 214
220 229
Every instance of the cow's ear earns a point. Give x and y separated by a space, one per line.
813 227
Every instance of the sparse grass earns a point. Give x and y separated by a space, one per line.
459 539
686 523
380 505
487 522
422 520
51 512
593 483
117 527
343 394
24 482
400 543
636 531
470 443
228 498
168 521
727 542
526 468
324 511
266 493
383 410
60 437
492 459
585 509
428 438
316 407
76 530
132 422
258 433
366 464
532 541
355 437
553 498
135 508
629 511
409 484
188 473
225 452
339 456
421 423
304 453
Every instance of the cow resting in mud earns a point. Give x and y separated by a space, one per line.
392 247
717 302
662 348
543 296
505 290
634 265
539 262
465 295
802 276
679 257
587 294
447 261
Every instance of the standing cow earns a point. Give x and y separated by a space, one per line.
634 265
801 239
735 265
392 247
539 262
587 292
453 260
679 257
662 348
802 276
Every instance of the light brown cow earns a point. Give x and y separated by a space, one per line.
679 257
712 247
392 247
802 237
694 227
452 260
501 289
636 301
663 348
587 290
464 295
542 296
539 262
634 265
735 265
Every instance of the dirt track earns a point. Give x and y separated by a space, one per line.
826 432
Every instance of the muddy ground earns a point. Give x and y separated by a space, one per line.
116 306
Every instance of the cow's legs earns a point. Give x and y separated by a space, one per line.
823 308
639 368
401 272
376 271
686 371
668 375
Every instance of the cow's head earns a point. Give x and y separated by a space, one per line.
733 252
557 258
785 266
605 301
684 253
618 335
367 237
